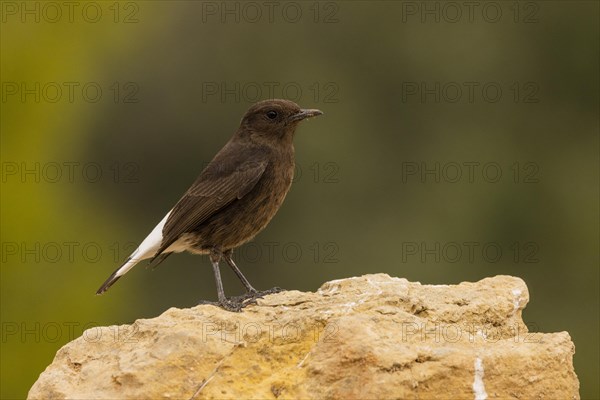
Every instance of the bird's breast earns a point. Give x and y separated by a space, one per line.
277 180
266 198
244 218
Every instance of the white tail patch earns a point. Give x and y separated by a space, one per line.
147 249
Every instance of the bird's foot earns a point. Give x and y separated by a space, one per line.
250 297
270 291
227 304
237 303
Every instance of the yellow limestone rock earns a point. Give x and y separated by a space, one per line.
373 336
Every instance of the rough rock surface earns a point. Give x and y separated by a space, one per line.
373 337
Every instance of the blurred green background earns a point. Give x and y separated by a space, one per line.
110 110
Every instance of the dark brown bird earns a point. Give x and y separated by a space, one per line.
234 197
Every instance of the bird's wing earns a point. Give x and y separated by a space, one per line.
230 176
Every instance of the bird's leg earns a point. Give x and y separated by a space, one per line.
215 257
251 293
227 256
235 303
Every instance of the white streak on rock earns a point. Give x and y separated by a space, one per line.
478 386
517 302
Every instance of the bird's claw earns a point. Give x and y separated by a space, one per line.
237 303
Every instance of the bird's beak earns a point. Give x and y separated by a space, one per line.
305 113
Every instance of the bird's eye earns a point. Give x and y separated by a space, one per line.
271 114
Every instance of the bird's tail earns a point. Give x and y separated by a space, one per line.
119 272
147 249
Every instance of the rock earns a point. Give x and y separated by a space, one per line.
367 337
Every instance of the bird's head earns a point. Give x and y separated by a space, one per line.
274 120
